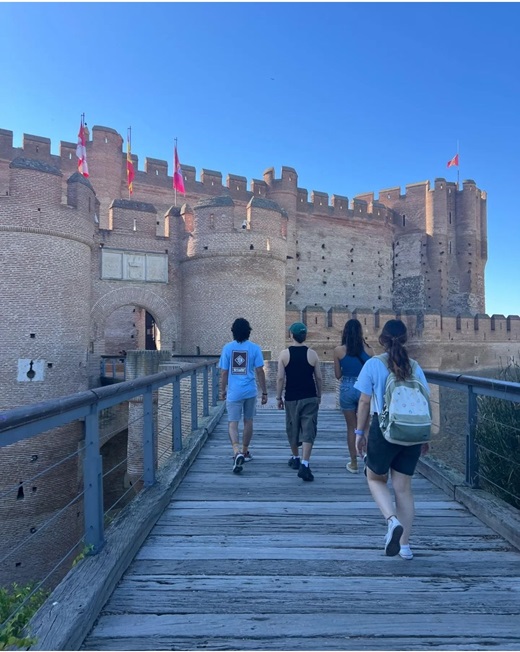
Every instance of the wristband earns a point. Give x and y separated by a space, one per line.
359 433
264 393
279 398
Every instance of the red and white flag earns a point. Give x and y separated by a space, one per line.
454 161
81 150
178 179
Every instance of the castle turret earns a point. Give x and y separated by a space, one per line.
234 267
106 168
45 254
471 262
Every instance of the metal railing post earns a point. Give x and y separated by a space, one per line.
205 392
93 484
176 415
471 448
214 384
148 439
194 415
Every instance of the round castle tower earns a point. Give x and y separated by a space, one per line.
234 266
46 250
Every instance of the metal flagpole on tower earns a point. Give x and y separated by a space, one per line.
458 166
174 170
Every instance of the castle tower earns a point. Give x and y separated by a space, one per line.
471 247
233 271
106 164
45 250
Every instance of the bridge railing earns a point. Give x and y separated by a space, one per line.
163 411
476 431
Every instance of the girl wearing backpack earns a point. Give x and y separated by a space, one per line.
349 359
382 457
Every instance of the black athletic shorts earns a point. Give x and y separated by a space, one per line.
383 456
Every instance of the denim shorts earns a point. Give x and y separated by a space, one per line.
348 394
247 406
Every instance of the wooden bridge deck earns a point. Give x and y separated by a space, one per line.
264 561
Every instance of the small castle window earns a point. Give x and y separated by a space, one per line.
450 217
404 220
156 173
70 156
106 140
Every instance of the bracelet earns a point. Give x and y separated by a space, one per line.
279 398
359 433
264 393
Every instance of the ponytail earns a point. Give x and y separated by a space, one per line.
393 338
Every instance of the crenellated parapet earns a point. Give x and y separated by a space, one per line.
421 248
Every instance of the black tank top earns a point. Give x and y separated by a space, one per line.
299 375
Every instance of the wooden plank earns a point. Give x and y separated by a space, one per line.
320 624
345 642
440 564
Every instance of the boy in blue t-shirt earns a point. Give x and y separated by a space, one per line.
240 361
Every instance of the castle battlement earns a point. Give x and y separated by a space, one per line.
389 206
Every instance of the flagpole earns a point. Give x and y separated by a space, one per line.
458 166
128 149
174 171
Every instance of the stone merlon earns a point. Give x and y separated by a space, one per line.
221 200
34 164
128 204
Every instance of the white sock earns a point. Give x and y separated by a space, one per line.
305 462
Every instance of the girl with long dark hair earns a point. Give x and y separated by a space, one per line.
382 457
349 358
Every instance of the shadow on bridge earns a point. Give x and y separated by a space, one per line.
264 561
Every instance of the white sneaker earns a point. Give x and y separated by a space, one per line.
351 468
406 552
395 531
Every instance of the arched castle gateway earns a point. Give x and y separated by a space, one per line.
84 270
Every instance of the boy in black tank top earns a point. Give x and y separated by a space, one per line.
299 369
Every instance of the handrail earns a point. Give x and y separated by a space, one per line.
483 386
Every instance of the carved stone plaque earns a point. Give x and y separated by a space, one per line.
112 264
134 266
157 268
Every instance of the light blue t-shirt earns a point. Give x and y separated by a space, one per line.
372 380
241 360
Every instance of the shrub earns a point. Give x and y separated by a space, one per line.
17 606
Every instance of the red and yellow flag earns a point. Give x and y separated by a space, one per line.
454 161
130 172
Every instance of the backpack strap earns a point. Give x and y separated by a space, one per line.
381 359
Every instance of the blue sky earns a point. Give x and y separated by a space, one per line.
357 97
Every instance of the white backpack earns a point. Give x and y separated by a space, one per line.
406 417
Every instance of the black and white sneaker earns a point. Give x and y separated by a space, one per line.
294 463
238 463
